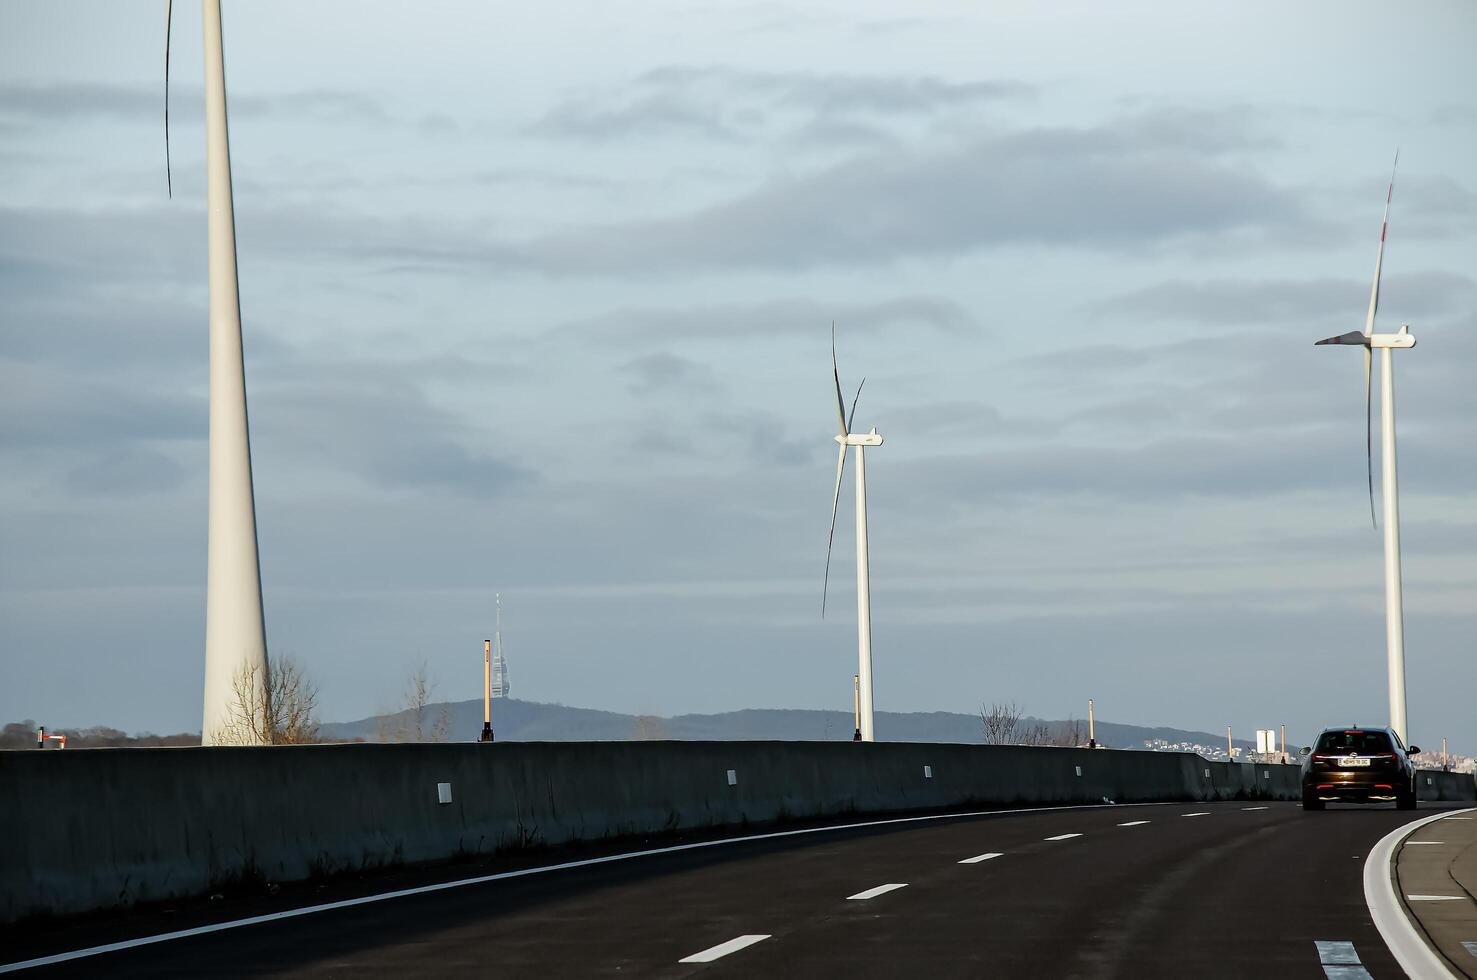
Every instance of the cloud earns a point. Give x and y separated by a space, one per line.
48 102
126 472
374 421
1128 184
1145 182
1173 468
729 104
48 408
792 317
663 370
764 435
1269 302
957 419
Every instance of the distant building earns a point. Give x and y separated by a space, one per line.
500 685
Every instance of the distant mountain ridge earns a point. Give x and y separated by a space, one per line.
514 720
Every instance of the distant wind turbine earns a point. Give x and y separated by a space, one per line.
1386 342
846 438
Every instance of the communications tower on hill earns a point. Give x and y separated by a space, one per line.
500 685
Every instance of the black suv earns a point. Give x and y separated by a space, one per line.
1358 765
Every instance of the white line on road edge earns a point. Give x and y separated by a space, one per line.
1340 961
722 949
1202 813
1406 944
1062 837
980 857
874 892
1338 953
1133 823
165 937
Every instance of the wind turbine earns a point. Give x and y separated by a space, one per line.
846 438
235 628
1385 342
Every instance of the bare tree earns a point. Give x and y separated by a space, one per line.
1005 724
1001 723
415 721
1037 733
1070 734
648 728
272 708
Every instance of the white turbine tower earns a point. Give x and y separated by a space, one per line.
846 438
1386 342
235 629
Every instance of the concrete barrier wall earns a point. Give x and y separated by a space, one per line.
86 829
1436 786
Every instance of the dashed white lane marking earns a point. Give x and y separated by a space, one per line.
722 949
1458 818
1435 898
165 937
1245 808
1134 823
1470 947
1425 842
981 857
1198 813
874 892
1339 960
1062 837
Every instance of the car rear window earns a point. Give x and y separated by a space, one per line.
1353 741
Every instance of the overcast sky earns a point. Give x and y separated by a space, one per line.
537 299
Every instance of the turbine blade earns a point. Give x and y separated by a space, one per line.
830 538
836 376
1353 339
168 21
1379 260
1369 432
852 417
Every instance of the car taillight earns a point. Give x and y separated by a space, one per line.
1325 758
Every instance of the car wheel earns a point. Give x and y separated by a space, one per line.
1311 802
1405 801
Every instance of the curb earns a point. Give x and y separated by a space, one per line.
1406 943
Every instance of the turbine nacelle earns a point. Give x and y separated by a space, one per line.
862 439
1394 341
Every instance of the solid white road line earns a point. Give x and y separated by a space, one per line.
1062 837
1246 808
1339 960
1336 952
1406 944
1417 843
1134 823
165 937
1435 898
980 857
1334 972
874 892
1199 813
722 949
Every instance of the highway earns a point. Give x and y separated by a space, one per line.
1144 891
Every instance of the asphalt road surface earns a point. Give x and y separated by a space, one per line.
1172 891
